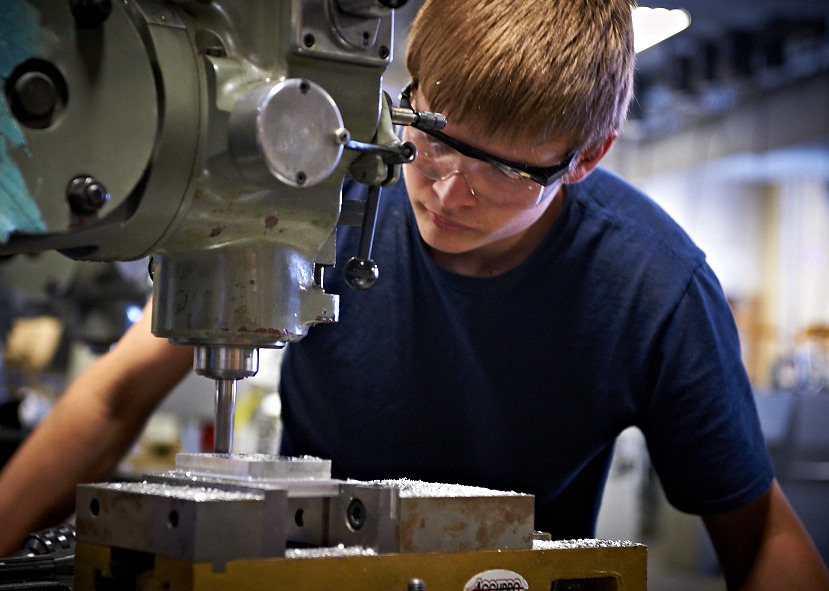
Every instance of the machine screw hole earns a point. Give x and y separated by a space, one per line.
172 519
94 507
356 514
298 518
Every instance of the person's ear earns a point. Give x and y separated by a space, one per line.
588 158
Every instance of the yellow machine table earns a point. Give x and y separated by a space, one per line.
583 565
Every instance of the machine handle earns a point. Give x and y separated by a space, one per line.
360 271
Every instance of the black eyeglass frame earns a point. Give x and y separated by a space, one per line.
543 175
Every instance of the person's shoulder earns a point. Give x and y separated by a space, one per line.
615 203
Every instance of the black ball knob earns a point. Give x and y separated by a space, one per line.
361 273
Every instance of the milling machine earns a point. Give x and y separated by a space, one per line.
214 136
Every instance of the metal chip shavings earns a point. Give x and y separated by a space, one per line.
582 543
329 552
419 489
199 494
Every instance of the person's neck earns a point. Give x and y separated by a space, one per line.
504 255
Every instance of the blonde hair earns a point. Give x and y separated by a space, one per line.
526 70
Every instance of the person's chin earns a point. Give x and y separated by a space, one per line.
449 243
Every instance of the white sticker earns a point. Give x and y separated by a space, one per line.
497 580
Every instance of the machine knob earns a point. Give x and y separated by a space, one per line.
89 14
86 195
360 273
369 8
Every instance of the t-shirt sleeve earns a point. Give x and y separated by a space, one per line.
701 424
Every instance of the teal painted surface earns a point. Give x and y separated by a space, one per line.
19 40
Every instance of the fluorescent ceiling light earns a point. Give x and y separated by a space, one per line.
652 25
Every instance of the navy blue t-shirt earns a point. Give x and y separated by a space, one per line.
522 381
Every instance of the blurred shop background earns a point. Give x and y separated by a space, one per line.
729 132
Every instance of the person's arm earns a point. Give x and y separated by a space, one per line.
88 431
764 546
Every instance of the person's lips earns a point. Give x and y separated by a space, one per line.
446 224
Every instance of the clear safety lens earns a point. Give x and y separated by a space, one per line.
499 185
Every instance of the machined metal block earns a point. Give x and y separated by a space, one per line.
256 466
450 518
190 523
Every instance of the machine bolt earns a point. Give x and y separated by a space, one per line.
33 96
89 14
416 585
86 195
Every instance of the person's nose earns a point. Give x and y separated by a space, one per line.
454 190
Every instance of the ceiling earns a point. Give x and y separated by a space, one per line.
736 55
743 31
746 13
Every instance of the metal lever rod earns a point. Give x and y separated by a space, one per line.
360 271
402 153
369 222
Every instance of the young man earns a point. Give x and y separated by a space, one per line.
530 308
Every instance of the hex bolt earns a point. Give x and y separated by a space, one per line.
33 96
86 195
89 14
